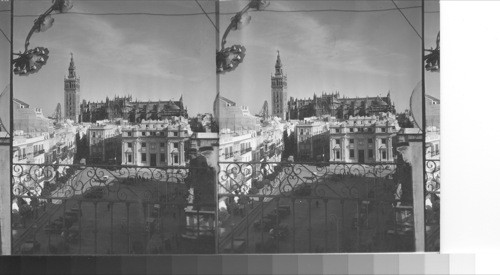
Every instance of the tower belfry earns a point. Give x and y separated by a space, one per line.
279 94
72 93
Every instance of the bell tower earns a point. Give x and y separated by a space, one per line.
72 93
279 95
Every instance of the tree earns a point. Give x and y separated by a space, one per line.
78 153
196 125
286 149
404 120
83 147
214 127
290 145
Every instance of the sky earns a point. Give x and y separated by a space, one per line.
149 57
161 58
357 54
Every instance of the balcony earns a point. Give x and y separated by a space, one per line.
307 208
271 207
432 204
77 209
39 152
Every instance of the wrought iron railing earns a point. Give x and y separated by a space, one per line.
310 207
75 209
432 204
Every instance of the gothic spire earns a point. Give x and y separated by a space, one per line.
72 67
278 60
278 65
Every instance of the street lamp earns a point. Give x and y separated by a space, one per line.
227 59
432 59
31 60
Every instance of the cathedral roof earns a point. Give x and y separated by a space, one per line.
379 102
172 106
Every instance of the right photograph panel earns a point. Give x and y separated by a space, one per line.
432 122
321 127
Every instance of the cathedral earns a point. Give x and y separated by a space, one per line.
133 111
117 108
341 107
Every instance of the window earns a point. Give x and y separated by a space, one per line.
370 153
351 153
337 154
360 130
176 134
143 157
162 144
153 133
351 130
369 130
351 141
143 145
143 133
384 155
176 145
162 157
129 134
337 130
176 159
383 129
384 141
162 133
93 134
129 145
226 152
337 141
129 157
370 141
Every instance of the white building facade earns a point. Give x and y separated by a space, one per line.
363 139
156 143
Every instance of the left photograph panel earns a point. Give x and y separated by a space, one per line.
5 125
113 127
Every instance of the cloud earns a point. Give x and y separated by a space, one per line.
114 47
108 46
313 42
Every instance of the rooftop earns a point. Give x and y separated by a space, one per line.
199 135
26 105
